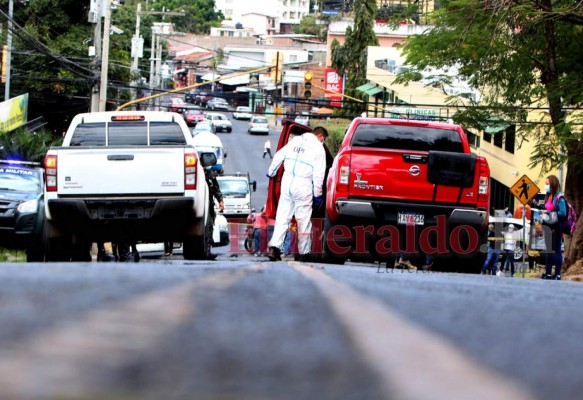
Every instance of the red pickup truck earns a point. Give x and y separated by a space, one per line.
401 185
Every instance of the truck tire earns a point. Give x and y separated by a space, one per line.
197 247
57 245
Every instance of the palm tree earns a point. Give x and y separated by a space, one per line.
25 145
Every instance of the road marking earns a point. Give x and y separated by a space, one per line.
410 362
69 360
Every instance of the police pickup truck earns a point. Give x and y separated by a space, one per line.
127 176
21 207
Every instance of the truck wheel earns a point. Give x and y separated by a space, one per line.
57 246
197 247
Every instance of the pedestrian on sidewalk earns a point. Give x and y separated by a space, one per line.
509 243
267 149
554 202
490 265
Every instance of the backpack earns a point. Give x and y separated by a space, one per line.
567 225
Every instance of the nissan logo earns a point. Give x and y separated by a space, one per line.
414 170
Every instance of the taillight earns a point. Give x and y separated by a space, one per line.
190 161
343 173
483 185
484 177
51 173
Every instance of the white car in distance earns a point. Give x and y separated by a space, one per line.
302 119
242 112
220 121
258 124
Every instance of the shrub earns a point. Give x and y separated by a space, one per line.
25 145
336 128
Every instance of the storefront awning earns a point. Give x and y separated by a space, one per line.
497 127
374 90
370 89
209 76
365 87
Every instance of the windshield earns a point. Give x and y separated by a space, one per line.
128 134
410 138
217 151
203 126
233 186
20 180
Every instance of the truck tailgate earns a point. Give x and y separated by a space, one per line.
399 174
115 171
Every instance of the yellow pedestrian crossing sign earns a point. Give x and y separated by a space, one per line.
524 189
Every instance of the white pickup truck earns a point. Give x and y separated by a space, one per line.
127 176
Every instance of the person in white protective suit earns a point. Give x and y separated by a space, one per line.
304 163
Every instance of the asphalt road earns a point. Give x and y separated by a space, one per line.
244 328
245 154
241 327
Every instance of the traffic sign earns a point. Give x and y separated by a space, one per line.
524 189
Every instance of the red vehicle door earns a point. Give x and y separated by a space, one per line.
289 131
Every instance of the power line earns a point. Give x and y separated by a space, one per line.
34 43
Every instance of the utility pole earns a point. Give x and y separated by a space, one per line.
105 56
9 50
152 58
97 45
155 43
136 41
159 63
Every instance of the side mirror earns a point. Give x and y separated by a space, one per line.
208 159
224 153
254 185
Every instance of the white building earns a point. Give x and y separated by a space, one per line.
287 12
234 9
243 57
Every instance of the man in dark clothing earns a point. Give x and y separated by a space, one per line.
214 193
490 265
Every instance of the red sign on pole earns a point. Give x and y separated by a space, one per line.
333 87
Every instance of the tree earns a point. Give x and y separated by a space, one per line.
523 54
199 15
349 59
308 26
43 34
27 146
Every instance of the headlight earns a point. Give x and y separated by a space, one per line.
28 206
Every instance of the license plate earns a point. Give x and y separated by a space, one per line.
413 219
